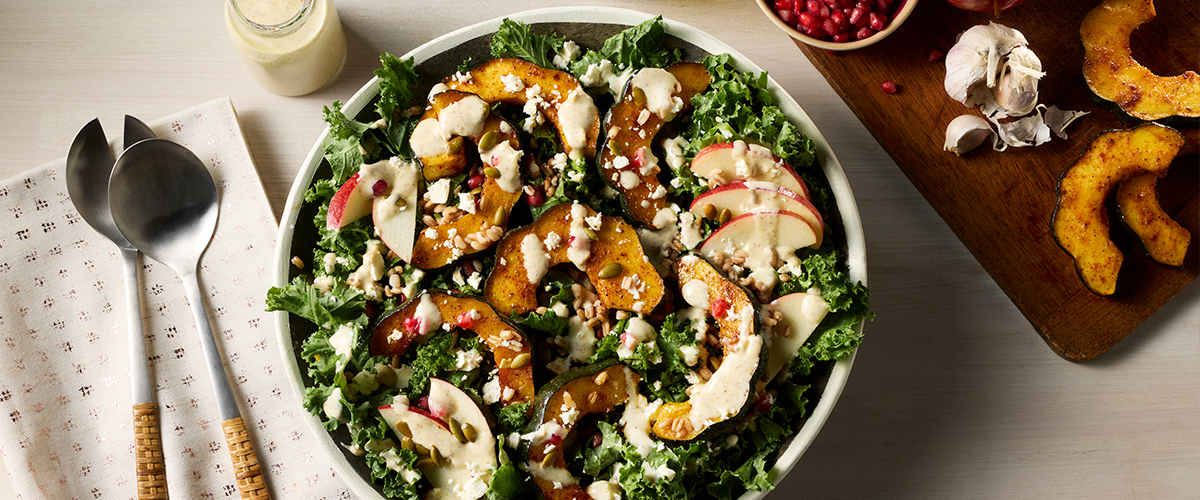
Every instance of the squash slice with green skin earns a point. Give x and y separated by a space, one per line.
558 95
631 129
513 284
456 161
1080 219
441 245
1164 240
1113 74
730 392
390 337
593 389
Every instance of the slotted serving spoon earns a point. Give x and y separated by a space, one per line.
89 163
164 201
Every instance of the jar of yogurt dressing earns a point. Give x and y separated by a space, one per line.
290 47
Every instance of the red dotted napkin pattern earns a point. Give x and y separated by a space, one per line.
66 418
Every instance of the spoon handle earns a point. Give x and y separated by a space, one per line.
147 434
250 481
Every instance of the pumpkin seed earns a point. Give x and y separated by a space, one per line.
611 271
406 443
710 212
500 217
456 429
492 172
590 234
615 147
548 460
401 204
488 140
519 360
455 145
436 456
505 363
639 96
469 432
725 216
425 464
402 428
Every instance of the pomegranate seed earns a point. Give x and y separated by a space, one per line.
839 20
878 21
597 440
495 161
475 181
865 6
863 33
379 187
856 15
883 5
422 403
841 38
537 198
829 26
554 439
783 4
811 6
807 20
719 308
785 15
764 403
889 87
831 3
465 320
935 54
823 12
400 299
412 325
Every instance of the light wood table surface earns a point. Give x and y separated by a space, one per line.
953 395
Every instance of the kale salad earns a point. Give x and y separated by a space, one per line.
570 272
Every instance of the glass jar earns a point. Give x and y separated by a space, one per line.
290 47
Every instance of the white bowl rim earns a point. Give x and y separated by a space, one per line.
901 16
790 454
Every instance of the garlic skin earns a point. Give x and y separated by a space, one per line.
966 133
991 66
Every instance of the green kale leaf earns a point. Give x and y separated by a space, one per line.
515 39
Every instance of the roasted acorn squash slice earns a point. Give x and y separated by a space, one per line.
396 330
631 127
438 246
593 389
1113 74
557 94
455 160
560 235
730 392
1080 218
1164 240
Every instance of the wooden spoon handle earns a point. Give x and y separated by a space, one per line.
147 437
250 481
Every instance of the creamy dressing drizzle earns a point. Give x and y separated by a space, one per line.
537 261
576 114
579 247
659 87
508 161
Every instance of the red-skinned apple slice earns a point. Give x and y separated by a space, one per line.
466 467
742 197
349 204
759 164
802 312
763 235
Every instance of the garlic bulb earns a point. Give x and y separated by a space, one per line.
966 133
991 66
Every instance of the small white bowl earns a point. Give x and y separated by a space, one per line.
902 12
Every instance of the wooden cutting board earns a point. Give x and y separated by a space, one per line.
1000 204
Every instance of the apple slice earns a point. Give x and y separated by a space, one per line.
802 312
751 162
763 235
466 465
741 197
394 209
350 203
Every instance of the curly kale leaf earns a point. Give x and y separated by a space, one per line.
514 39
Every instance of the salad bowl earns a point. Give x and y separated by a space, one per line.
589 27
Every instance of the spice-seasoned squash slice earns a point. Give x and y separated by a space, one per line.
556 95
395 331
606 248
1164 240
500 151
653 97
1080 219
1114 75
594 389
475 125
729 393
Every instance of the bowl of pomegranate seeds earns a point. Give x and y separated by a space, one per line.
838 24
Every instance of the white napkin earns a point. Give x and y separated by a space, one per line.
65 399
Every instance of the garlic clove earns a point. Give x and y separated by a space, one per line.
991 66
1028 131
966 133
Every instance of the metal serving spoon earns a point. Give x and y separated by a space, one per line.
164 201
89 164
